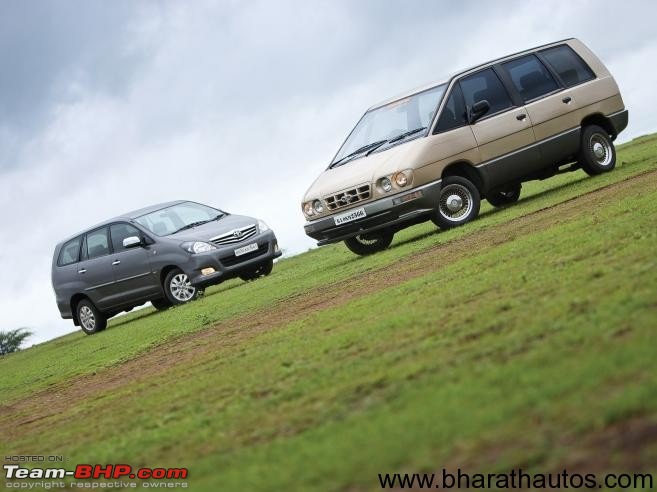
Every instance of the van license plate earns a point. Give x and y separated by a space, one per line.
246 249
359 213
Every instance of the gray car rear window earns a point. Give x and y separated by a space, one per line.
70 252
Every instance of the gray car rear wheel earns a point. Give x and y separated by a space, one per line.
90 318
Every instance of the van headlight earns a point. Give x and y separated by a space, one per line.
308 209
403 178
318 206
196 247
386 184
262 226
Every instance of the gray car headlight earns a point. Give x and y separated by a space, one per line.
196 247
262 226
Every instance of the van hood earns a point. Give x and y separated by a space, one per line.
205 232
362 170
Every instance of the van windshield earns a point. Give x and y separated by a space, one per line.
383 126
178 217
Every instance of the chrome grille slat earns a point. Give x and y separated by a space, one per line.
348 197
232 238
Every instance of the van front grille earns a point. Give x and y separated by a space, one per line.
235 236
348 197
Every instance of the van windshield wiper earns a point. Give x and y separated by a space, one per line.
360 150
402 136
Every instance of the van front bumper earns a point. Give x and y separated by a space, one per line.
226 265
391 212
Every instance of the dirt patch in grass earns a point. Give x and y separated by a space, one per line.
31 413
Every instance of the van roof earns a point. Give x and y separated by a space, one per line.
447 79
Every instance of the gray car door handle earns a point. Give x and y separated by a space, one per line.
116 262
82 270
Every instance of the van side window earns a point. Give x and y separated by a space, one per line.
121 231
570 67
485 85
454 113
70 252
97 244
530 77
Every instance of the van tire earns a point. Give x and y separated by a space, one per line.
161 304
462 193
90 318
178 289
504 196
597 153
367 244
261 270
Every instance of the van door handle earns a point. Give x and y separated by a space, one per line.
521 116
82 270
566 99
116 262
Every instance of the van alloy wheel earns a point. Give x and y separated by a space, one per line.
181 288
597 153
456 202
600 149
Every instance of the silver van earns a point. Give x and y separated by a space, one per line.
166 254
433 153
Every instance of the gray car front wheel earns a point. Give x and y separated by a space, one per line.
178 287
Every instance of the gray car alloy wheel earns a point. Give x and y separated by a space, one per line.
181 288
87 318
456 202
600 149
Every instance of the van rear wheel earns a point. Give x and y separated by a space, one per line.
90 318
367 244
458 203
504 196
597 153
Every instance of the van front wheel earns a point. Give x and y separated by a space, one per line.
367 244
458 203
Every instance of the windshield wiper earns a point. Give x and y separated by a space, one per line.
402 136
192 225
360 150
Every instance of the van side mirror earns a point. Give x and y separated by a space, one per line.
132 242
477 110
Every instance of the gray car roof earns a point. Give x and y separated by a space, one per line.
126 217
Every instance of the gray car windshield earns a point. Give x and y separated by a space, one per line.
178 217
392 123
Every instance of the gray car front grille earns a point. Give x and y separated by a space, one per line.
348 197
236 235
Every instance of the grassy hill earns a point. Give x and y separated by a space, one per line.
524 339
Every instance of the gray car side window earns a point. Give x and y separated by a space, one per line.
120 231
97 243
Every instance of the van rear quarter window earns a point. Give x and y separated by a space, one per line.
568 64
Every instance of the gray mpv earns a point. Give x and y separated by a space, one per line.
166 254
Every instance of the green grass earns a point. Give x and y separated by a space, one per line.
513 356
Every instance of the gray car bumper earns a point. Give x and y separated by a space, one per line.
226 264
393 212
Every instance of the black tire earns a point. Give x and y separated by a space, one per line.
456 213
90 318
261 270
597 153
504 196
161 304
367 244
178 289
